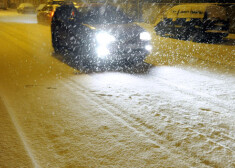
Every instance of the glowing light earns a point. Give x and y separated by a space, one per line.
149 47
104 38
102 51
52 13
145 36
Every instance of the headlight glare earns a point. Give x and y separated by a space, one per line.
145 36
148 47
104 38
102 51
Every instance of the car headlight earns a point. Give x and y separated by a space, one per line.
149 48
145 36
102 51
104 38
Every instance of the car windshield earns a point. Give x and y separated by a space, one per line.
103 15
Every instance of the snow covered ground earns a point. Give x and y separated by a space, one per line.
11 15
180 113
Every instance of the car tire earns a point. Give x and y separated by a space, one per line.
199 37
216 39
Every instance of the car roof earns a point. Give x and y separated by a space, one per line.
43 4
194 6
196 11
92 4
55 1
54 6
26 4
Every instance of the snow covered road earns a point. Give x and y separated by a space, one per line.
178 115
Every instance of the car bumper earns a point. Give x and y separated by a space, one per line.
121 58
129 52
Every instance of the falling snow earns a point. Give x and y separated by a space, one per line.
178 113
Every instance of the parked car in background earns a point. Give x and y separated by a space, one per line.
55 2
45 15
99 36
40 7
199 22
26 8
3 4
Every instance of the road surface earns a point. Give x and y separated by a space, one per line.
180 113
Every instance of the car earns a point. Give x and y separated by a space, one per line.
40 7
198 22
55 2
77 5
45 15
26 8
99 36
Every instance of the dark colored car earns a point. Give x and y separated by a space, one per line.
44 16
194 21
99 35
26 8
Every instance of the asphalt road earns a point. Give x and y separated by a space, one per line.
180 113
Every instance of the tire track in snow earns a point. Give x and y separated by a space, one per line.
205 98
20 132
151 131
137 125
21 32
14 41
202 118
17 37
175 115
200 95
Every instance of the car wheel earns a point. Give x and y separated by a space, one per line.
216 39
199 37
